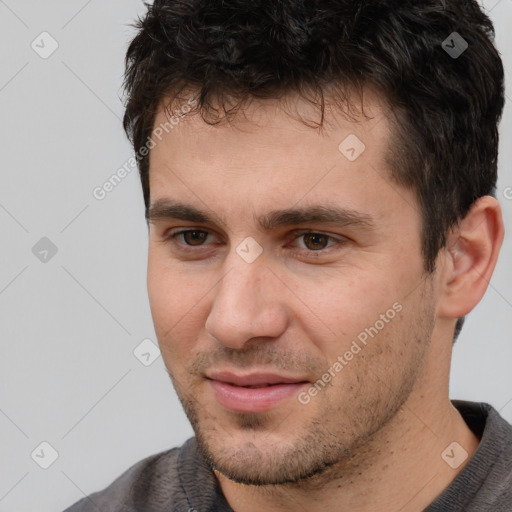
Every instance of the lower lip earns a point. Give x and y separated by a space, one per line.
242 399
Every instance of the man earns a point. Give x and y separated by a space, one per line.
318 179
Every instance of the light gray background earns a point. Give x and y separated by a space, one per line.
68 327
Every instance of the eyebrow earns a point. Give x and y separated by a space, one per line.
315 214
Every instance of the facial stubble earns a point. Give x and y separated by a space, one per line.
290 447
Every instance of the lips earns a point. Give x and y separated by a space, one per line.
256 392
254 379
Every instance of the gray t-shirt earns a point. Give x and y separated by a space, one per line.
180 480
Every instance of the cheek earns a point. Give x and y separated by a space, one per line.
177 308
346 304
357 322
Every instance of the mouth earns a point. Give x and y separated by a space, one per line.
256 392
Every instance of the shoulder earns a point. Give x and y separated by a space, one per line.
485 483
152 483
496 491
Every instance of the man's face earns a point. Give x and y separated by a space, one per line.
351 292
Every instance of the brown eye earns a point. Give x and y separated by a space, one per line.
315 241
194 237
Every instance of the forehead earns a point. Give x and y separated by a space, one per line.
270 131
292 112
269 155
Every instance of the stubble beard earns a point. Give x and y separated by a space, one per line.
334 444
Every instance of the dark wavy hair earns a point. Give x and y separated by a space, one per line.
445 109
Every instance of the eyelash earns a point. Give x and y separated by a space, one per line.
173 235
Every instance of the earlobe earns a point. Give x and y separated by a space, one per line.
471 254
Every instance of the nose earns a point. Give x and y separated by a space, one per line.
248 303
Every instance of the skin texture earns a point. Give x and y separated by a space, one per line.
372 438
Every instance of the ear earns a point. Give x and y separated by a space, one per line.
470 256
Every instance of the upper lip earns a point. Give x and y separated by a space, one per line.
253 379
